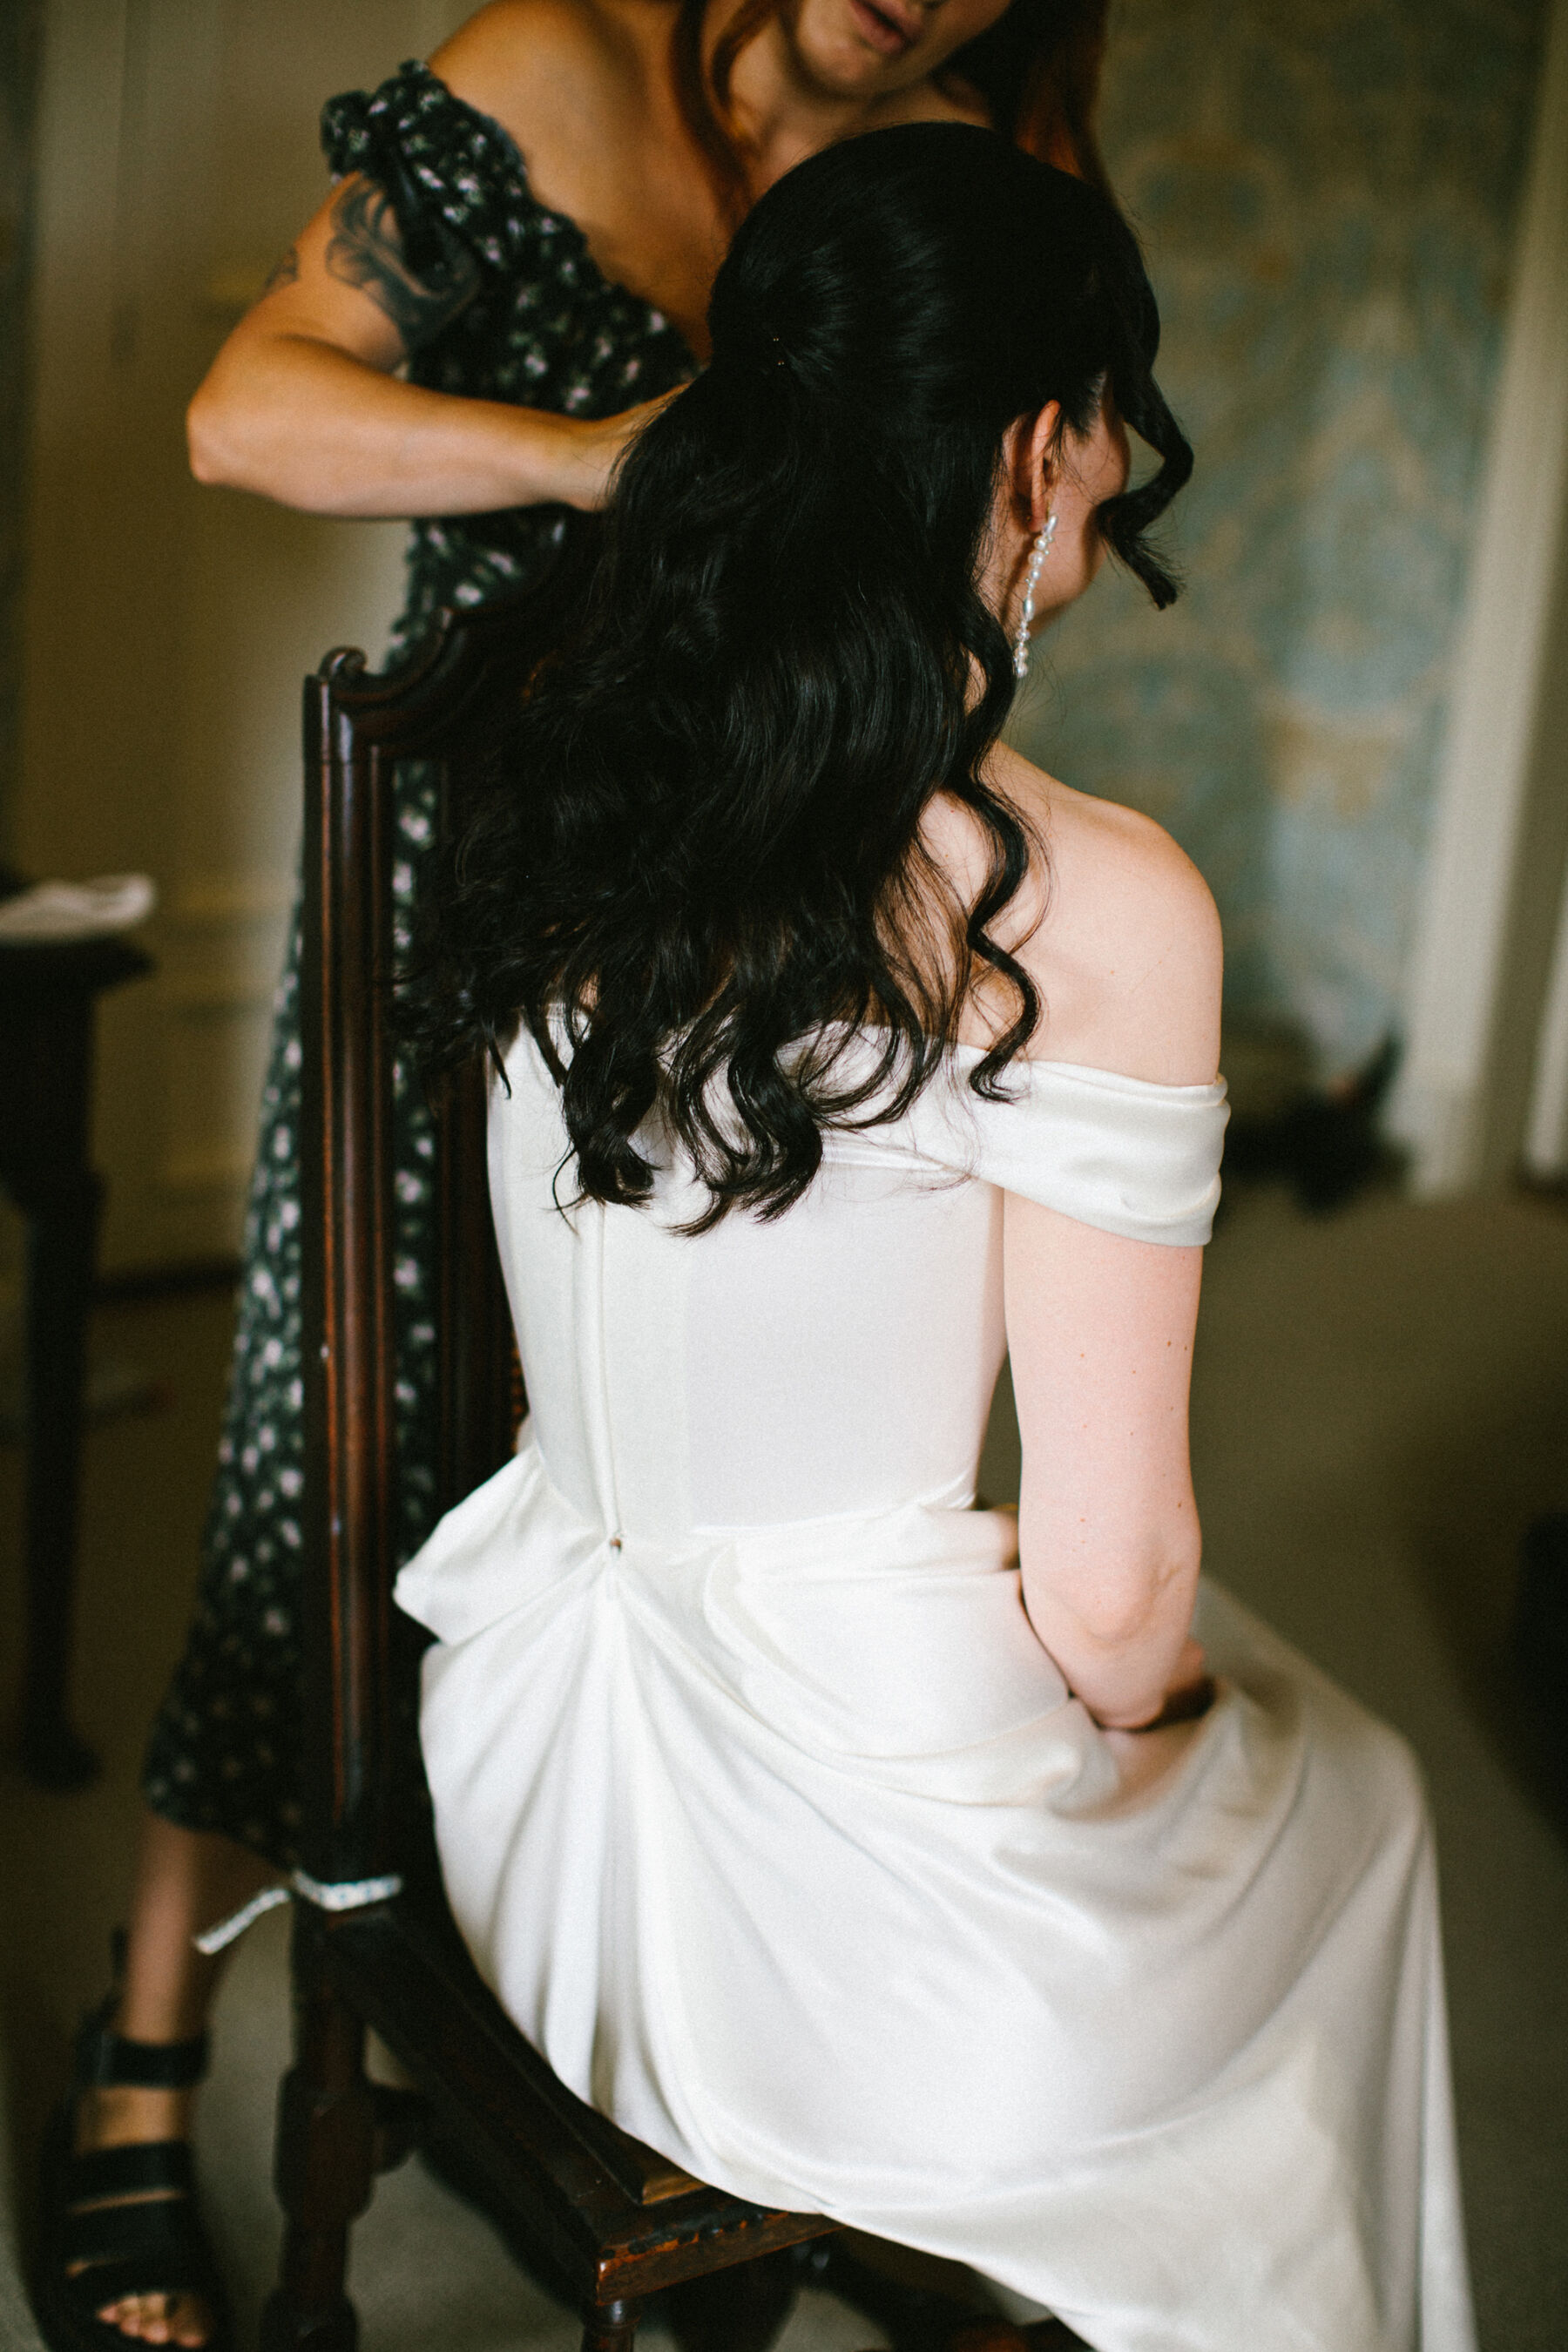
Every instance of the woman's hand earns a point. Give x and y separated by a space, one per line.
594 449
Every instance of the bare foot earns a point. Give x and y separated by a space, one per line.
115 2117
160 2318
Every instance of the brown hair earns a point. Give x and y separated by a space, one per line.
1036 69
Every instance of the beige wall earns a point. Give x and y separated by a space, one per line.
168 627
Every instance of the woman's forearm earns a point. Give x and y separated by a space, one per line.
306 423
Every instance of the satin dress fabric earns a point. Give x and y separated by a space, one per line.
772 1825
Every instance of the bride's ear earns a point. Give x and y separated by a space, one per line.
1031 450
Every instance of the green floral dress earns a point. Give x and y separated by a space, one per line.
546 329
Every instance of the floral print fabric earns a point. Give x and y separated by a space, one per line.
547 330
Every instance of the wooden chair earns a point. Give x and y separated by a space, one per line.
375 1944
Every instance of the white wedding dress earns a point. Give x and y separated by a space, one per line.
773 1827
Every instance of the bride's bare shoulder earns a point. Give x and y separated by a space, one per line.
1115 926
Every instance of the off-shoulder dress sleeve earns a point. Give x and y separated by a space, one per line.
1123 1154
451 174
543 328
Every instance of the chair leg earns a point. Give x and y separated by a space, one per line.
740 2309
611 2326
402 2125
325 2168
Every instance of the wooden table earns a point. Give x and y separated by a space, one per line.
48 996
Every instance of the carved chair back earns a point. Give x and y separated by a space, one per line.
375 1943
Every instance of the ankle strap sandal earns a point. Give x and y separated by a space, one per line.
108 2061
120 2222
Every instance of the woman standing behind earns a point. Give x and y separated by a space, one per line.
515 260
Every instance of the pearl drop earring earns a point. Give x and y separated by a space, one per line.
1037 555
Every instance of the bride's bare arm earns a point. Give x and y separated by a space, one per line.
302 403
1100 1334
1100 1328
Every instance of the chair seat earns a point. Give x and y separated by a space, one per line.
613 2215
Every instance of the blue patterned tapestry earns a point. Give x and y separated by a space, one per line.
1327 193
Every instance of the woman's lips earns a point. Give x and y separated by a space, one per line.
889 30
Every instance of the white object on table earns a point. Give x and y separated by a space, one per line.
77 910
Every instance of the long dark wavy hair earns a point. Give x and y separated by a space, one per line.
699 869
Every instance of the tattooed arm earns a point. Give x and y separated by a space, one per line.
303 404
364 249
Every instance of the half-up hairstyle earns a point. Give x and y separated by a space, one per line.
701 871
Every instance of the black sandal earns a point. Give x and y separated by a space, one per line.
154 2244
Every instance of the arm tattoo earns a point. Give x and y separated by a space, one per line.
284 272
365 250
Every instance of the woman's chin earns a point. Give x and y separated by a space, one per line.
851 77
840 64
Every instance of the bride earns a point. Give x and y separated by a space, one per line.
866 1851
